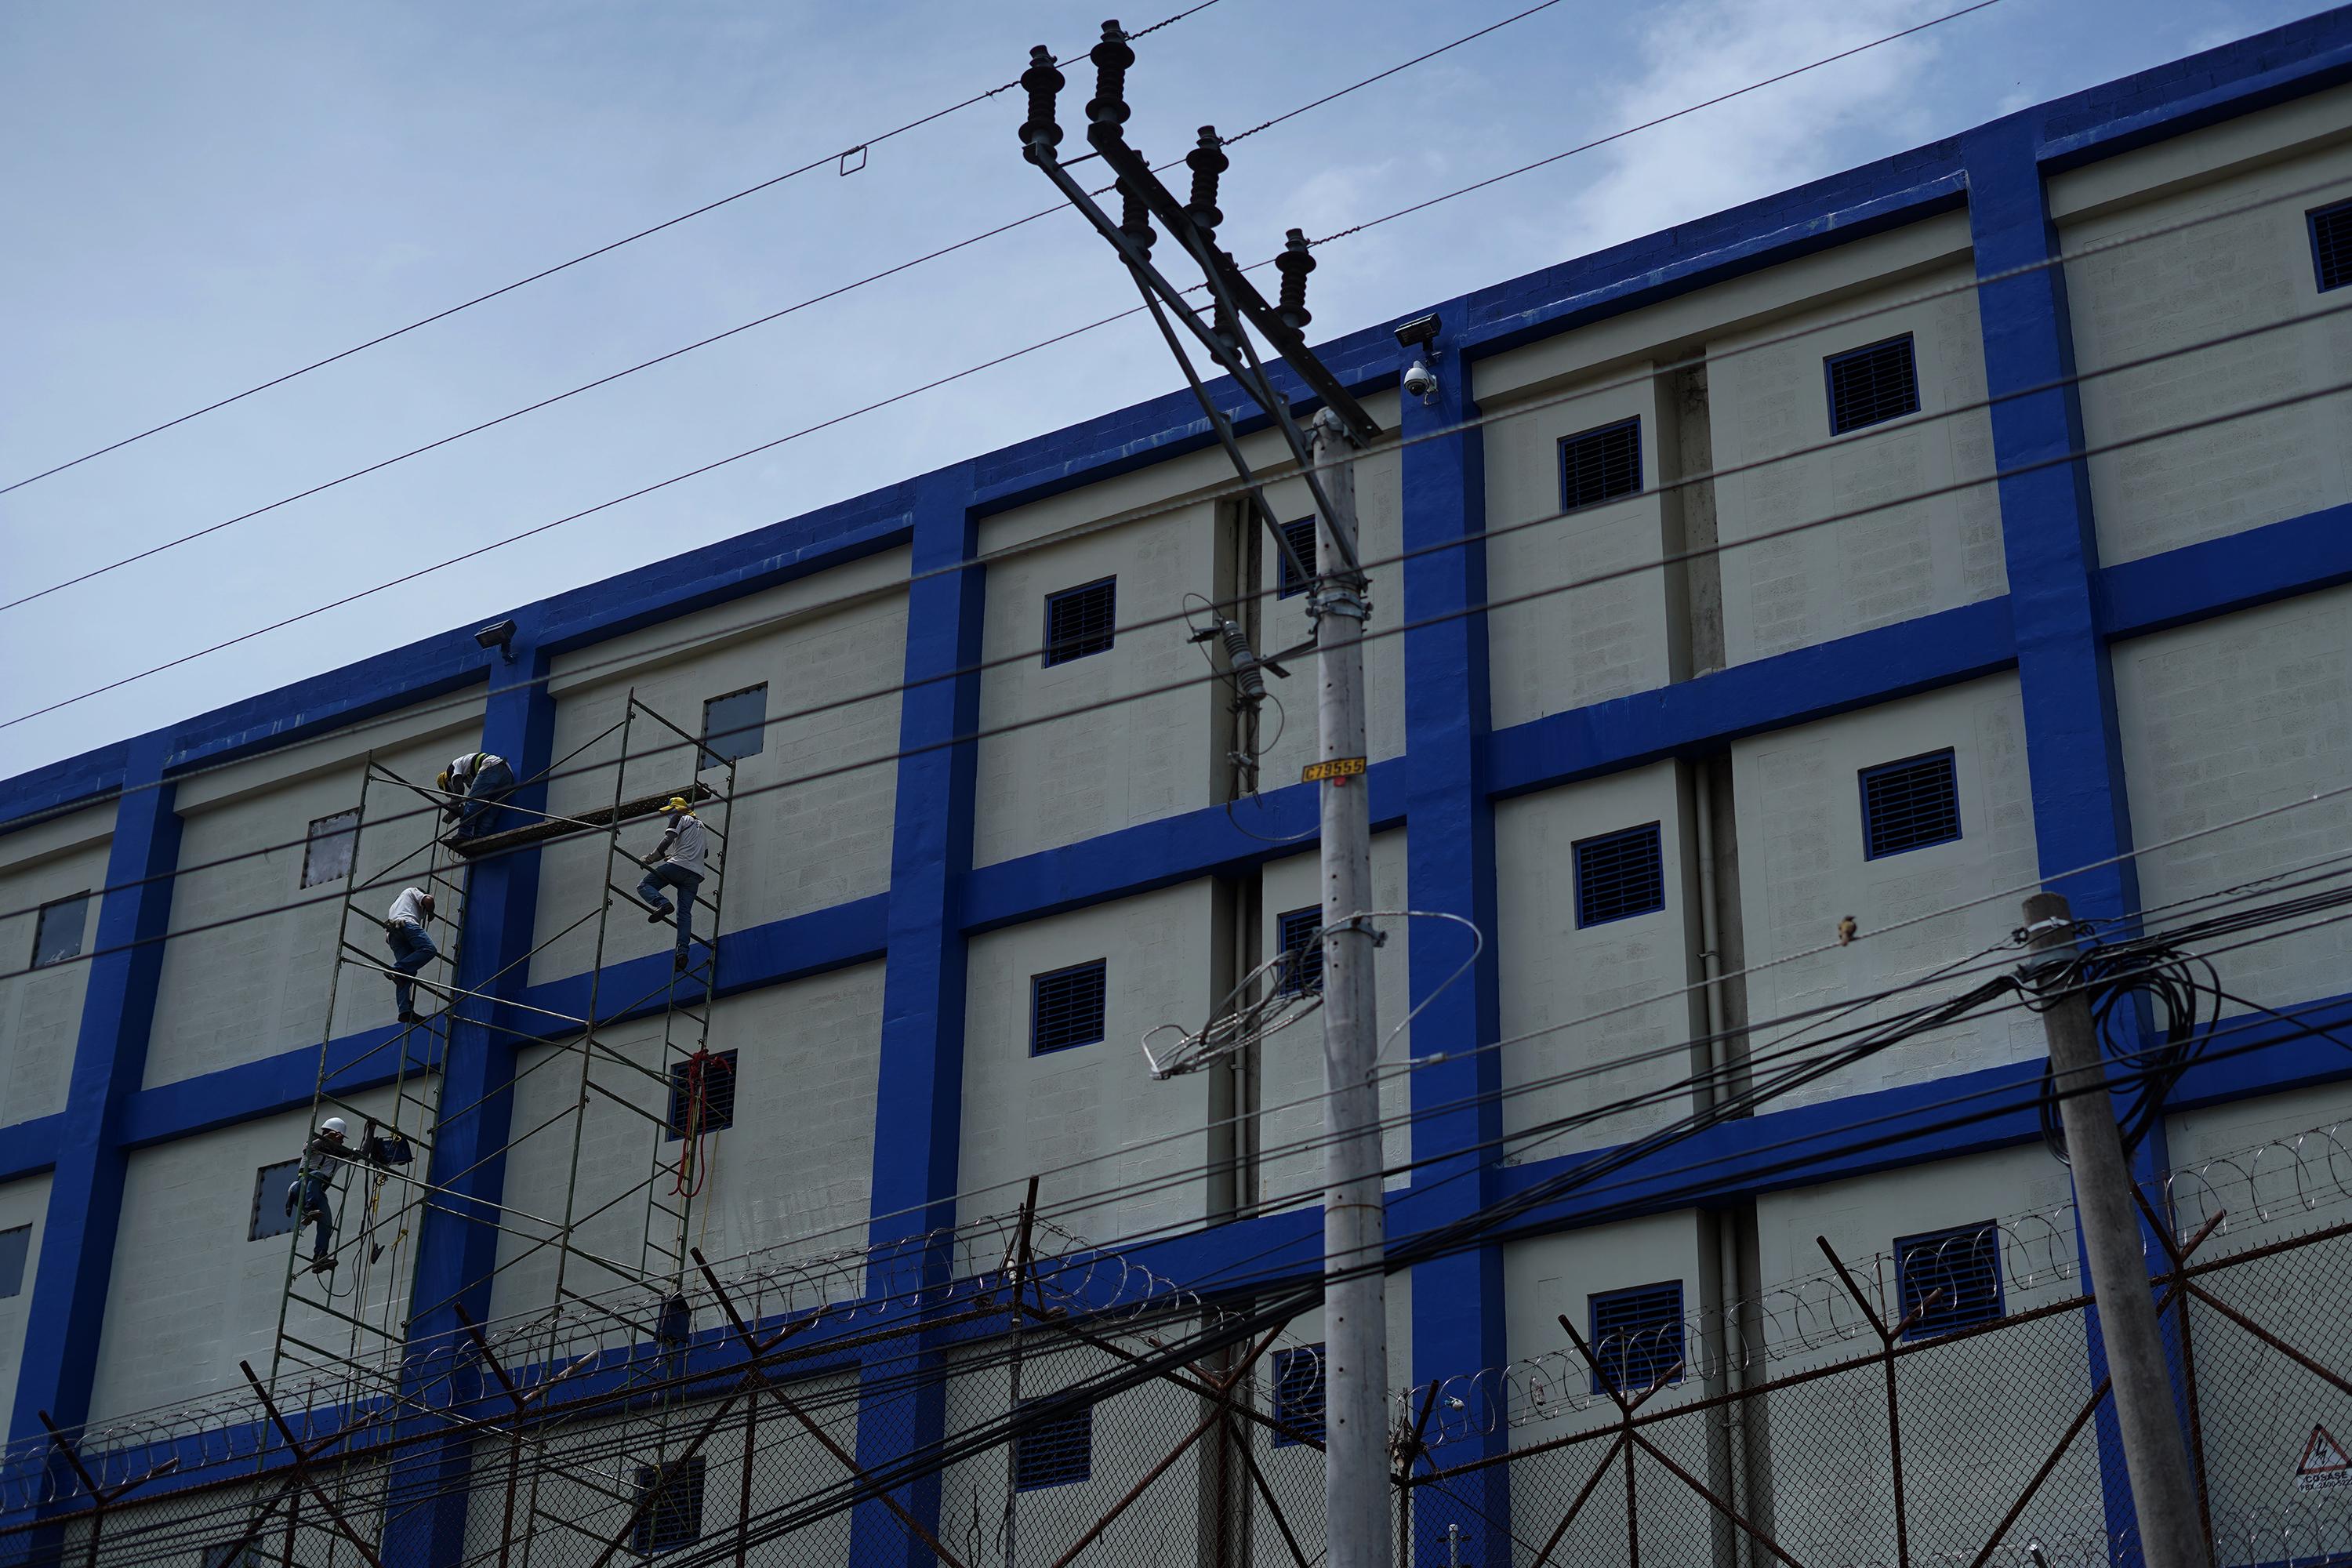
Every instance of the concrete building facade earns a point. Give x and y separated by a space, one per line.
2101 663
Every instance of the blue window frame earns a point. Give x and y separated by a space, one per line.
1055 1453
1950 1277
1619 875
270 1215
670 1506
1873 385
56 933
718 1094
1637 1337
1299 1395
1300 532
1079 621
735 725
2331 245
1601 465
1065 1008
1296 930
1909 804
16 1247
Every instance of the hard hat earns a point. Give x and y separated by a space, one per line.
333 1124
442 780
676 803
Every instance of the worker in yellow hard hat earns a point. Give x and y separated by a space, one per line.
676 862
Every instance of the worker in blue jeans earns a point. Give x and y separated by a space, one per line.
313 1188
412 947
676 862
472 787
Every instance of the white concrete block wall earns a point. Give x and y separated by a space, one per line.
2273 1166
40 1012
1961 1468
251 988
1803 868
1113 767
790 1177
2203 281
1888 565
1025 1114
199 1530
1290 1063
1569 649
1556 977
25 1201
2225 718
192 1295
792 846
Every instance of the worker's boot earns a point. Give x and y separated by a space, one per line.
661 912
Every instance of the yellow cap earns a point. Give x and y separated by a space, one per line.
677 803
443 781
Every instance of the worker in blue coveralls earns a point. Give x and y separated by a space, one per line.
472 787
313 1188
676 862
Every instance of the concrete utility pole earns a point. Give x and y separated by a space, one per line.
1355 1295
2163 1499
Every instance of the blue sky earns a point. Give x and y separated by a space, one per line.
201 197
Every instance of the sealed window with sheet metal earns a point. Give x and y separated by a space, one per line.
670 1506
1619 875
56 934
735 726
1950 1277
1909 804
327 849
1065 1008
1637 1337
1297 931
270 1215
1871 386
1079 621
1602 465
709 1079
1055 1453
1298 1387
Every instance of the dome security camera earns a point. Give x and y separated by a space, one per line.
1420 381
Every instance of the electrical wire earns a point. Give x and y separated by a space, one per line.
1766 536
835 159
409 714
771 317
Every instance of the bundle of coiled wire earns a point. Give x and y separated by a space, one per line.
2153 1007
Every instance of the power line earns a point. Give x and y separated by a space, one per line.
771 317
834 159
1129 517
1766 536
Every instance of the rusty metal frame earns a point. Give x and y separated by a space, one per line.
1887 1340
101 1497
300 1473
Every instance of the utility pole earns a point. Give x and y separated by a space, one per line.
1356 1473
1355 1289
2163 1500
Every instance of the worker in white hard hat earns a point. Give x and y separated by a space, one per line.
471 787
412 947
313 1186
676 862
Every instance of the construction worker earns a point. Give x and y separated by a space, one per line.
473 786
676 862
313 1186
412 947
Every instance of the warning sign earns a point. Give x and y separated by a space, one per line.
2324 1463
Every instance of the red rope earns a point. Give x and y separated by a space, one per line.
688 1181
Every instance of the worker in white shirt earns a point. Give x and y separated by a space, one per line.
676 862
412 946
472 787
